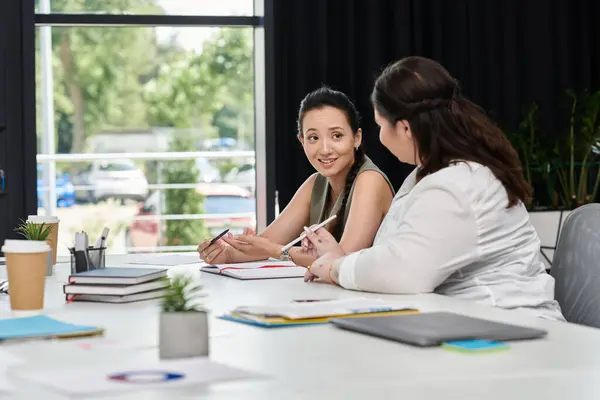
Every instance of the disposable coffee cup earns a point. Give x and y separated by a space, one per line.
26 262
52 222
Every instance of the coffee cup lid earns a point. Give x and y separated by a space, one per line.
42 219
25 246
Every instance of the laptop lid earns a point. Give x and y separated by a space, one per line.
435 328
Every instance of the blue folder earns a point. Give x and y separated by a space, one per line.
41 326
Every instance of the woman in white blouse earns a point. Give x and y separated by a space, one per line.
458 225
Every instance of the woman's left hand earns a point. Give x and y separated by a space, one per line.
254 246
321 269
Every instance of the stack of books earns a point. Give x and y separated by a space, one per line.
116 285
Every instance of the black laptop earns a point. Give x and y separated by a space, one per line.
435 328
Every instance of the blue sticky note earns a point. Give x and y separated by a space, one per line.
475 346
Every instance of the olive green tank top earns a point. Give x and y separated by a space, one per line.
321 195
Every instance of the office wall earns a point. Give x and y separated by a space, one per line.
506 53
17 114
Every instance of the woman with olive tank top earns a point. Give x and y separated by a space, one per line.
321 205
347 184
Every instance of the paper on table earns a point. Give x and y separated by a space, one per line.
170 260
126 377
318 309
7 360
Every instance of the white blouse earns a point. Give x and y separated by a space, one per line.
453 234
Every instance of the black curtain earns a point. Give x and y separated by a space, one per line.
506 53
17 114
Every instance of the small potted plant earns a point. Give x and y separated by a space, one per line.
38 232
183 329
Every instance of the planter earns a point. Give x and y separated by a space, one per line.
548 225
183 334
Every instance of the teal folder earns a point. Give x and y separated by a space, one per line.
41 326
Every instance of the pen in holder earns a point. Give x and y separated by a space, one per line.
91 258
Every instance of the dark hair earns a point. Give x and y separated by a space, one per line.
446 126
327 97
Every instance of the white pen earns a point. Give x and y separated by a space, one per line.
299 238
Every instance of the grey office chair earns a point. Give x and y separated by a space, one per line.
576 266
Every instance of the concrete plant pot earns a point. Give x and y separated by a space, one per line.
183 334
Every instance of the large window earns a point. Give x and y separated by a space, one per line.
149 130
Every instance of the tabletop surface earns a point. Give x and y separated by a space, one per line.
315 361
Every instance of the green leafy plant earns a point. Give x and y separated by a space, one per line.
182 294
534 151
33 231
575 161
563 170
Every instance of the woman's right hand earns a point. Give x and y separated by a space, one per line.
320 243
217 253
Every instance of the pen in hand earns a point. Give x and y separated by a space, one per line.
303 236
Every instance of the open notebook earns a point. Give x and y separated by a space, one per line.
268 269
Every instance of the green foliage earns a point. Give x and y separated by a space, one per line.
97 71
566 165
534 153
575 162
183 201
33 231
182 294
213 89
108 78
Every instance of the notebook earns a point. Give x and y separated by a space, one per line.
296 313
118 276
435 328
42 327
268 269
118 290
129 298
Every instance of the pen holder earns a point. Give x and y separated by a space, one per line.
95 259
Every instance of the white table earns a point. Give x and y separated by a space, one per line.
320 361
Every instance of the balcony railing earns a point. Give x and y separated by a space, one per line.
49 189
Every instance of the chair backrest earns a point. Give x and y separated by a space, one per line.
576 266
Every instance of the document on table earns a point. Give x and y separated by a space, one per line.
329 308
127 377
6 361
169 260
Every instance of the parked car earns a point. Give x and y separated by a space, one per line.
220 199
118 179
65 194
